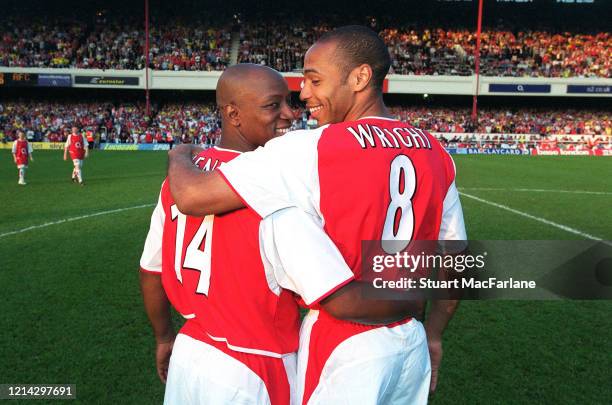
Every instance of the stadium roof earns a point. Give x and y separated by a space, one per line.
559 14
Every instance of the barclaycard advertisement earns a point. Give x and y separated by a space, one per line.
487 151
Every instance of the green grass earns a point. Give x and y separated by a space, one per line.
72 311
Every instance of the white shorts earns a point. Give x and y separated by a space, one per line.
78 163
200 373
378 366
22 166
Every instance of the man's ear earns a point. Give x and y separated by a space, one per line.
360 77
232 112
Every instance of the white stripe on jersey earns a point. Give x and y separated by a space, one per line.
246 349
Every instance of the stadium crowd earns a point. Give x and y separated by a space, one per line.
503 53
190 47
204 45
501 120
199 122
61 43
437 51
105 122
280 46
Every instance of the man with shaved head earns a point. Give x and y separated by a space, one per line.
366 177
223 274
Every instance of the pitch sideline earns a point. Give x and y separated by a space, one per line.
482 200
535 218
536 190
61 221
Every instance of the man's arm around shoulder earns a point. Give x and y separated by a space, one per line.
196 192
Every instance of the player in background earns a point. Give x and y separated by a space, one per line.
91 140
231 275
78 147
356 173
22 154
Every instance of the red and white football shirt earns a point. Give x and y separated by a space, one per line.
76 145
22 150
370 179
223 273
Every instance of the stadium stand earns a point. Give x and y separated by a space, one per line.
281 47
199 123
203 45
194 123
36 43
503 53
122 123
64 43
197 46
501 120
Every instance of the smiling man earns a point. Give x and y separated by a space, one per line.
221 273
366 177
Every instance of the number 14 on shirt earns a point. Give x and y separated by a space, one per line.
195 259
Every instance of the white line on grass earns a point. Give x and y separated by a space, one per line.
61 221
536 190
539 219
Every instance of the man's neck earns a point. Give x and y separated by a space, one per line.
373 107
233 141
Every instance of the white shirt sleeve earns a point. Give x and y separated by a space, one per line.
298 254
67 144
453 225
151 259
14 147
30 150
282 174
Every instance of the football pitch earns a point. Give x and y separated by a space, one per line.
72 311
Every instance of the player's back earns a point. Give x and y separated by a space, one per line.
371 179
381 179
214 276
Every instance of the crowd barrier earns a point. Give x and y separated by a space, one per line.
37 145
398 84
453 151
134 146
529 152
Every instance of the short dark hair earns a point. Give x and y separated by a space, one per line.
360 45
